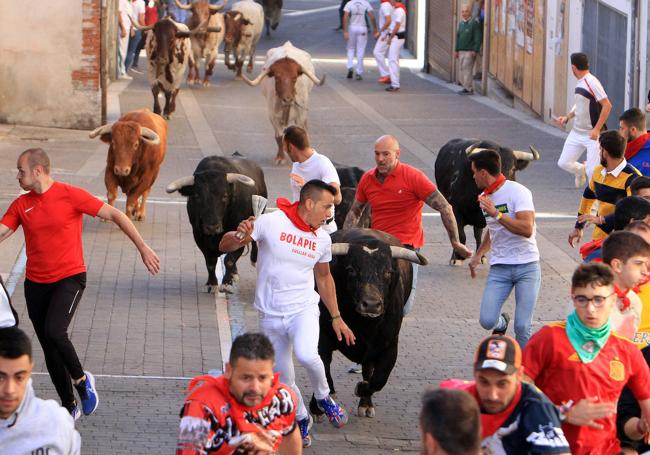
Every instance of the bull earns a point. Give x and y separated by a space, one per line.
218 199
168 51
272 13
244 24
138 142
349 177
373 277
204 44
454 179
287 96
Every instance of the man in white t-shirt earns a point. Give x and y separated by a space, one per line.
137 16
514 260
396 43
293 251
591 109
124 32
355 32
309 165
381 46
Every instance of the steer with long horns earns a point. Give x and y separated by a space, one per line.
455 181
373 273
205 44
138 142
287 78
219 197
168 51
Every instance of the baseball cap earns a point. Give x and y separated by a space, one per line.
498 352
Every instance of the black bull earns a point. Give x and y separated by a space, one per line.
373 281
219 197
455 181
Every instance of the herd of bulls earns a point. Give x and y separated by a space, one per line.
371 270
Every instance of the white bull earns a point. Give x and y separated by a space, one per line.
244 25
287 97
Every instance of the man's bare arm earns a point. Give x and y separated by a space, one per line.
5 232
292 443
438 202
338 198
354 215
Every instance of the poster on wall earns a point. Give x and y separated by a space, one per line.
520 22
530 25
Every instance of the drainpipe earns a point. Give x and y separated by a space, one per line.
487 27
454 21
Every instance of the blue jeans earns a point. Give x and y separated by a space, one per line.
130 53
526 279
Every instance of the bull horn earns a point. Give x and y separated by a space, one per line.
340 249
313 77
149 135
215 8
257 80
142 28
474 148
232 177
180 183
399 252
521 155
214 29
101 130
182 5
179 26
535 152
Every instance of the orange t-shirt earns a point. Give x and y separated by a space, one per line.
396 204
52 224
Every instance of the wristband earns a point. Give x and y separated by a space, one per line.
336 316
499 216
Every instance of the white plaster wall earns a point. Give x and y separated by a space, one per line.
39 50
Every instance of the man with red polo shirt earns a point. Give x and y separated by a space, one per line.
396 193
51 214
582 365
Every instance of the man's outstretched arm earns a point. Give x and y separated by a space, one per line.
438 202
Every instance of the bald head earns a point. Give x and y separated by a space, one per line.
36 157
465 11
386 154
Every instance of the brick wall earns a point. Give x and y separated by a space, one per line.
87 76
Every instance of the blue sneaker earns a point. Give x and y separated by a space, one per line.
88 394
74 411
335 413
305 425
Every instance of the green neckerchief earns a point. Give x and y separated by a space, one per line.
586 341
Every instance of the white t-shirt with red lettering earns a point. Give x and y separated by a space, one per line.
285 264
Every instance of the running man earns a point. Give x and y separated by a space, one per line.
51 214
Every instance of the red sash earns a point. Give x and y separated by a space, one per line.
493 187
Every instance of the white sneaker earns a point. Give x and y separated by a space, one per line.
581 178
125 77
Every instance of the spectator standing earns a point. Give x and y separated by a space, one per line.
150 18
51 215
308 165
180 15
124 34
610 182
582 366
633 127
468 45
449 423
28 424
591 110
355 32
514 260
396 43
246 410
137 16
381 46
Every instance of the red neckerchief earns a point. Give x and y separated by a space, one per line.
490 423
634 146
291 210
645 281
493 187
622 296
385 1
590 247
400 5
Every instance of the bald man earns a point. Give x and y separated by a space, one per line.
396 193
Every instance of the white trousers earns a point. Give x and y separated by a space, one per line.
393 60
122 48
357 40
575 144
297 333
380 51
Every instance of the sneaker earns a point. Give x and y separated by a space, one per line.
392 89
465 92
125 77
349 76
335 413
355 368
87 394
506 317
136 70
359 78
74 411
384 80
581 178
305 425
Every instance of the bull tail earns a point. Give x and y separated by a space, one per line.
254 253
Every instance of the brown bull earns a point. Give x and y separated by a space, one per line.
138 142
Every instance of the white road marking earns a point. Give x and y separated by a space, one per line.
311 11
128 376
203 134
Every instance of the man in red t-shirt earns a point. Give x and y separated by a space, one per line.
247 410
582 365
396 193
51 214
